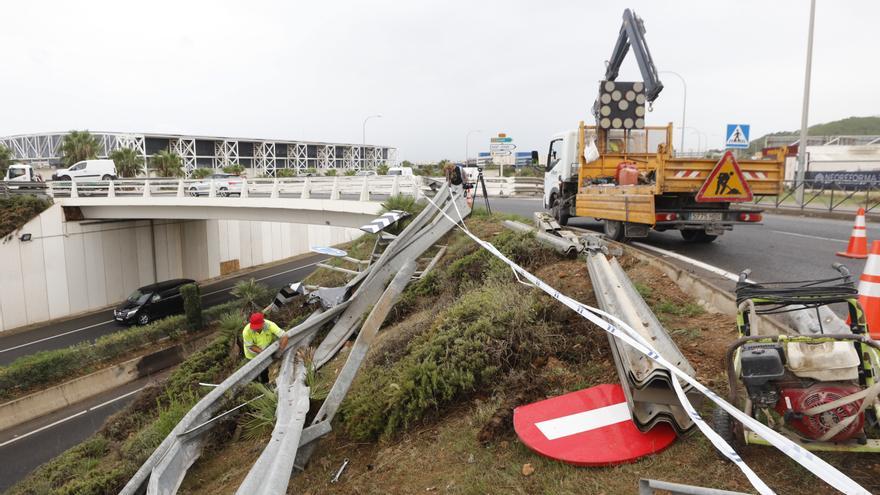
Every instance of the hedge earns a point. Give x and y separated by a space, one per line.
48 367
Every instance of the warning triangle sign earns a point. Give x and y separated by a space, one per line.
725 183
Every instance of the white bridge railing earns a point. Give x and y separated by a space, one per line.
338 187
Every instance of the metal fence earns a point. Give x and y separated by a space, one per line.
825 195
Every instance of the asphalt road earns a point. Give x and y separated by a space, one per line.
783 248
90 327
29 445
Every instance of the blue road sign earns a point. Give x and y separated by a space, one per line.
737 136
329 251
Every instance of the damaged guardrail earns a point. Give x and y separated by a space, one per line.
291 443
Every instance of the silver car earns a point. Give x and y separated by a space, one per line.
224 185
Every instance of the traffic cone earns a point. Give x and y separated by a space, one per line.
869 291
858 241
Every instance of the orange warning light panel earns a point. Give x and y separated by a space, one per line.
725 183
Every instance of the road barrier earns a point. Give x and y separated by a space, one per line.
166 467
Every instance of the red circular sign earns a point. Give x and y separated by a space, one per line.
590 427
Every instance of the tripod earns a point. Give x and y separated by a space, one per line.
481 183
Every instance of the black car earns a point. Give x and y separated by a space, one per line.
152 301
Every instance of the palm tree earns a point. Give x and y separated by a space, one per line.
5 159
78 146
128 162
166 163
252 295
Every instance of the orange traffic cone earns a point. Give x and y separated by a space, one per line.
869 291
858 241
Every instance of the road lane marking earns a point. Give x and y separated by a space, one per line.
55 336
795 234
68 418
699 264
111 321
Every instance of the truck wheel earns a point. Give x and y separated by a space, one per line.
107 177
560 213
722 423
697 236
614 230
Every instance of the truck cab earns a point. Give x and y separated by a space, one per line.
561 169
21 173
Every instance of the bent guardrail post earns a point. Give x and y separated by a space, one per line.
203 409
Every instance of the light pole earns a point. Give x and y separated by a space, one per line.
802 142
364 129
700 136
684 102
467 143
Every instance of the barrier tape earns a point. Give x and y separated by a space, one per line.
624 332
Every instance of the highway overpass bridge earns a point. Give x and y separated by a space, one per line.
102 240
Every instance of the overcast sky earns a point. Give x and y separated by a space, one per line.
434 70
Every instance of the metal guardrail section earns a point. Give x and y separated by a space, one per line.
335 187
164 470
647 386
648 487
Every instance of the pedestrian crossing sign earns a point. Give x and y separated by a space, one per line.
737 136
725 183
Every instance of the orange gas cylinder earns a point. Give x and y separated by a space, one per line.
627 174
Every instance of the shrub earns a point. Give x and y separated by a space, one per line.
311 171
235 168
350 173
252 295
382 169
486 330
201 173
15 211
192 305
260 418
285 172
331 172
167 163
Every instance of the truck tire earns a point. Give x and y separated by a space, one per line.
614 230
560 213
107 177
722 423
697 236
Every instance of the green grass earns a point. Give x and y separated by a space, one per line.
679 309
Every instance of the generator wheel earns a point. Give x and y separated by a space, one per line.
722 423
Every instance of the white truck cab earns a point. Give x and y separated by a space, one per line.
562 164
405 171
87 170
20 172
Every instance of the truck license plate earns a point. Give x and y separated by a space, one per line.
707 216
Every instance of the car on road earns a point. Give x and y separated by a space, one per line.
87 170
224 185
152 302
367 173
405 171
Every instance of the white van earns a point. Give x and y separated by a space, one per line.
400 171
87 170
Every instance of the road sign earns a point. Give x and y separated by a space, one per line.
590 427
500 153
502 147
725 183
329 251
737 136
501 140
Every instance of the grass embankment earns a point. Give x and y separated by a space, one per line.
15 211
103 463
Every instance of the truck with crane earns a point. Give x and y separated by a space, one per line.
626 174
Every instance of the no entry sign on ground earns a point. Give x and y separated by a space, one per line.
590 427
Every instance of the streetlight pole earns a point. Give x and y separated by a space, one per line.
467 143
684 102
364 128
802 142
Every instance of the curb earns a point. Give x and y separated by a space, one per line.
47 401
707 294
832 215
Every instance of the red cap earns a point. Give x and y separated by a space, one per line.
256 321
